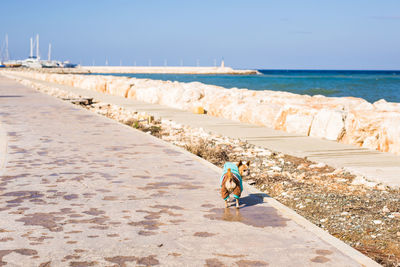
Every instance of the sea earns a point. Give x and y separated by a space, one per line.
369 85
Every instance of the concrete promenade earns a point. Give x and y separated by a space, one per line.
374 165
78 189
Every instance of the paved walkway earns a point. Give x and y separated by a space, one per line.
374 165
78 189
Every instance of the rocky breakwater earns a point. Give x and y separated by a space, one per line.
346 119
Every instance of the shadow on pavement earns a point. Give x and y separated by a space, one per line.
252 199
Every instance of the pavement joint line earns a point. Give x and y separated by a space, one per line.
325 236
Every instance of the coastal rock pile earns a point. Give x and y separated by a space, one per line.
345 119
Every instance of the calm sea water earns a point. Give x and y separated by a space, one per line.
370 85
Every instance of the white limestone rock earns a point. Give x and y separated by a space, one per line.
328 124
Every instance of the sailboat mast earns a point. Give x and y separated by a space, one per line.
31 51
49 55
37 47
7 55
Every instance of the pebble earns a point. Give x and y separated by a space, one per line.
385 209
262 152
318 165
301 176
287 174
396 214
337 171
268 163
276 168
302 166
264 187
381 187
377 221
359 180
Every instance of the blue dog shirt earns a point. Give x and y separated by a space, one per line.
235 171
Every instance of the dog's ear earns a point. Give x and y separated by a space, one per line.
239 164
248 163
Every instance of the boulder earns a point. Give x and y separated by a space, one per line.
295 119
149 95
192 95
118 87
328 124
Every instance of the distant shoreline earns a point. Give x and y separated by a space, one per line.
143 70
167 70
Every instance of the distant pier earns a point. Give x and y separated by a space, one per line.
167 70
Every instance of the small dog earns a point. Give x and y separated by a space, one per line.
231 180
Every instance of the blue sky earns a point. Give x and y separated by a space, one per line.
331 34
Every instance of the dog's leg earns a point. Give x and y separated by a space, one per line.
226 203
237 192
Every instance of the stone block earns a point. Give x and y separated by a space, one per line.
328 124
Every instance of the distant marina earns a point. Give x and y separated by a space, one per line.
33 61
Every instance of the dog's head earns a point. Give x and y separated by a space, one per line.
244 168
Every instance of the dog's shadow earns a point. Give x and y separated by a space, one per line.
252 200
